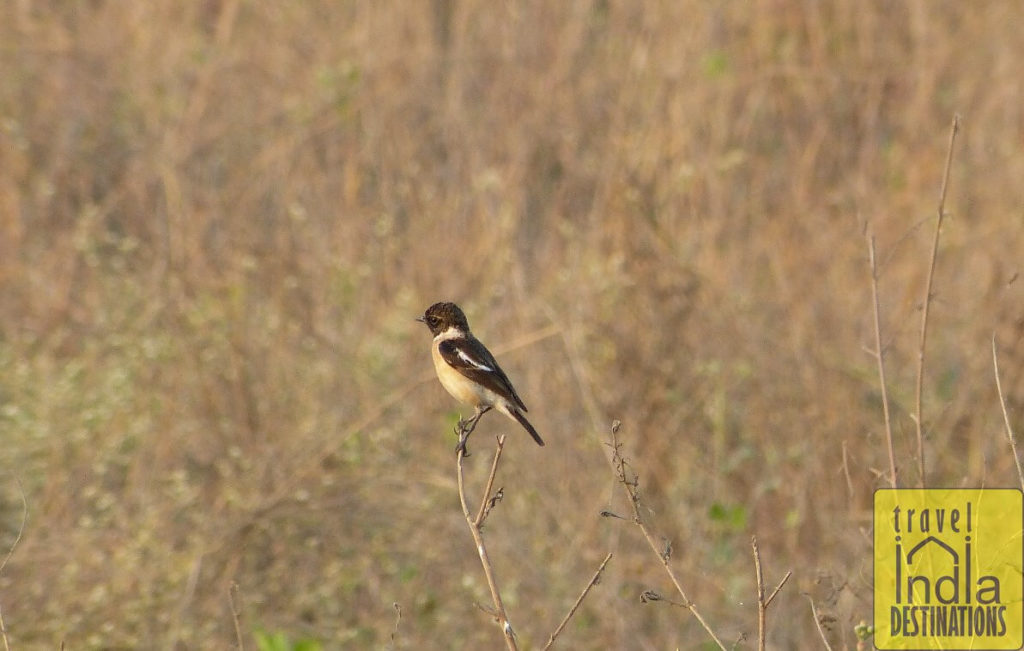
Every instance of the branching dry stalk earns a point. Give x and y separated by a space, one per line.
880 358
476 529
1006 416
918 419
583 595
487 503
631 486
762 602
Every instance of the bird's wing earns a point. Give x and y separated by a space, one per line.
471 358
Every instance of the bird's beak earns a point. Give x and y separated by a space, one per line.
421 319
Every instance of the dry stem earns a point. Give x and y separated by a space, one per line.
398 620
236 613
583 595
476 530
927 302
10 552
817 623
631 487
762 603
1006 416
880 357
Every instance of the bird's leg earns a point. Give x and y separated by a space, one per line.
465 427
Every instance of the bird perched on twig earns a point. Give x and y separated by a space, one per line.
469 372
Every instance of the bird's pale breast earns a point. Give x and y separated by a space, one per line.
458 385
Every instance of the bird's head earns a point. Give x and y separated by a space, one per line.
442 316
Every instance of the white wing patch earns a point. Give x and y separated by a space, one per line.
475 363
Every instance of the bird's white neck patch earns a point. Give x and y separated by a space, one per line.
451 333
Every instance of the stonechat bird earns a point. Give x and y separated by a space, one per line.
469 372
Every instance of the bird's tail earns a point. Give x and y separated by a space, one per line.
515 413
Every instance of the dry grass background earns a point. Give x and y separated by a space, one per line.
218 220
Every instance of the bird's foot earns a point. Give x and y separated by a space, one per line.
460 447
465 427
462 430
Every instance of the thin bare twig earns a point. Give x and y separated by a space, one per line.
631 486
21 529
236 614
880 357
398 620
761 607
10 552
771 597
594 580
918 419
1006 416
474 528
846 472
762 602
817 622
487 499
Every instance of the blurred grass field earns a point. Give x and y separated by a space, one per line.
219 219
